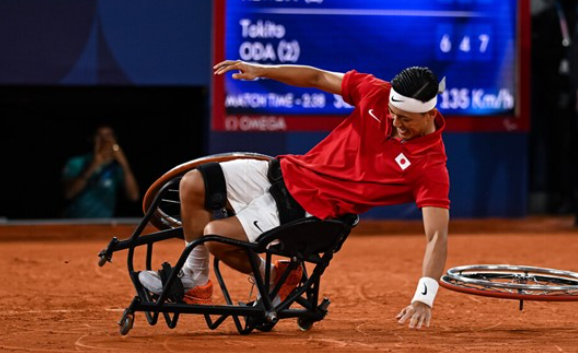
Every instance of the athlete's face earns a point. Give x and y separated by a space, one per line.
410 125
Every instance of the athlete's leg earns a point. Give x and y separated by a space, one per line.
233 256
259 216
246 180
193 213
194 219
237 258
195 271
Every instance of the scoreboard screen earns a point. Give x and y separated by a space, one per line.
473 43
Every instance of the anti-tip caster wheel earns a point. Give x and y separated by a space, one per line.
304 324
126 323
265 326
102 261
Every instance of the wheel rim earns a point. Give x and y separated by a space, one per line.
513 282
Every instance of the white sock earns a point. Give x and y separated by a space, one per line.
197 264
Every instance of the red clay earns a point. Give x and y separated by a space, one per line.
55 298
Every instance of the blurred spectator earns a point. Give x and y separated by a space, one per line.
554 134
91 181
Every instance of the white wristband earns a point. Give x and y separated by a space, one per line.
426 291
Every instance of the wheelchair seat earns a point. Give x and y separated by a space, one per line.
306 238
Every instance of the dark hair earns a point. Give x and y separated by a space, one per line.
416 82
102 125
94 128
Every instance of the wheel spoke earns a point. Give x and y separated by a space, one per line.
171 201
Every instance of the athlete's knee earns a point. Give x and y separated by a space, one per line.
216 248
212 228
192 188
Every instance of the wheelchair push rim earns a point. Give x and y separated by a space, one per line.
166 215
513 282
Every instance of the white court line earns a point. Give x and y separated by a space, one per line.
28 349
358 12
57 311
79 344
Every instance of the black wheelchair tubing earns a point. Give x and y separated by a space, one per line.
153 309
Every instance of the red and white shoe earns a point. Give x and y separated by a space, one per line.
292 280
199 295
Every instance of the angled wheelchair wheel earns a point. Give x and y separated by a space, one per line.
513 282
167 214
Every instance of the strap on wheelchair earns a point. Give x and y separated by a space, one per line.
177 291
215 186
289 209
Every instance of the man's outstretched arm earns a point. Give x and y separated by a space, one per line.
436 222
294 75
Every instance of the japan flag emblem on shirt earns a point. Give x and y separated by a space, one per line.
402 161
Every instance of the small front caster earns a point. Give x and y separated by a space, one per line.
126 322
304 324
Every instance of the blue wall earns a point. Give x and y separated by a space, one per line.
105 42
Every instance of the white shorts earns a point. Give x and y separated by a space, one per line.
248 194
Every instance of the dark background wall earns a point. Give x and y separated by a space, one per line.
142 66
158 127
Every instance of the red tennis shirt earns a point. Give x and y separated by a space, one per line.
360 166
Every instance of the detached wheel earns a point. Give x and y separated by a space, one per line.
304 324
126 323
513 282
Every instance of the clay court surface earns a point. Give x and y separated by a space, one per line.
55 298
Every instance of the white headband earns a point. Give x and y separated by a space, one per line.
413 105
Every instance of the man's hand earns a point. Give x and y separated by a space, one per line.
418 314
105 151
246 71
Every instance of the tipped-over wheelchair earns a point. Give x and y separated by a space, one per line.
307 242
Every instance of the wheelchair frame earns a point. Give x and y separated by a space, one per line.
307 240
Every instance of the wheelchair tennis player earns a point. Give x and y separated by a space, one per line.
388 151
